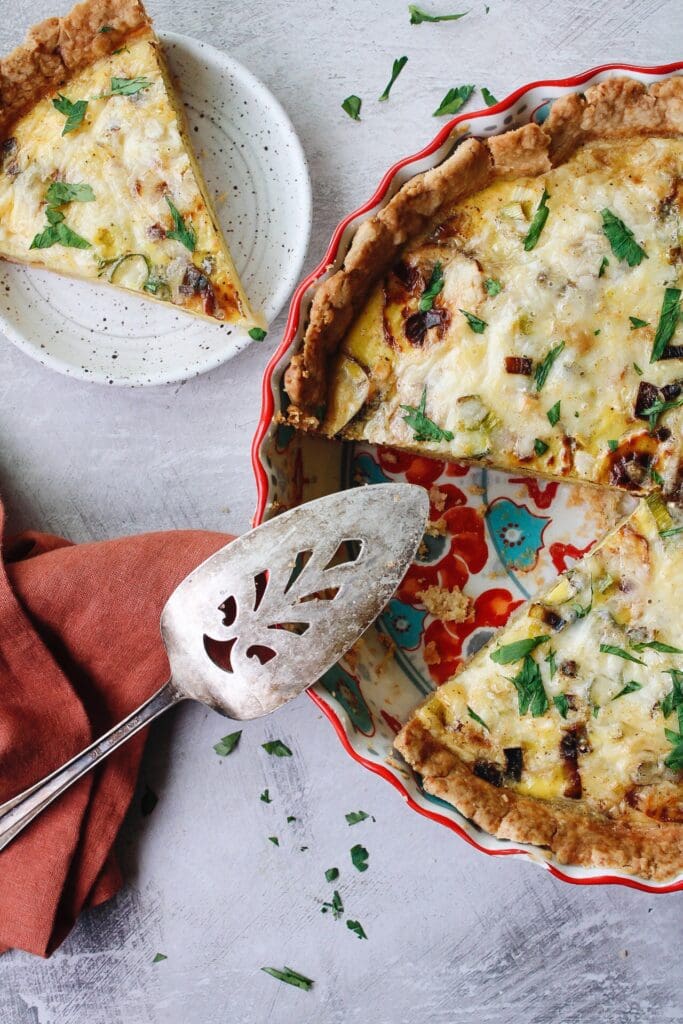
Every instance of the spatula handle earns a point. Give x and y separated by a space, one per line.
17 812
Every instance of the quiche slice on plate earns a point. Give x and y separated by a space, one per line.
97 175
519 304
566 730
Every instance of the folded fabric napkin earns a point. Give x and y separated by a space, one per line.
79 649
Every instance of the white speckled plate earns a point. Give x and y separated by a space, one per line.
256 169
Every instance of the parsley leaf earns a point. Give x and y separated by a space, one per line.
629 688
181 231
636 322
544 368
434 286
538 223
265 796
59 234
489 99
73 112
475 718
612 444
562 704
654 411
126 86
529 685
332 874
290 819
54 216
675 759
396 70
668 319
351 106
604 264
336 906
554 413
492 286
276 748
540 447
517 650
227 744
274 840
551 663
359 857
624 245
619 652
61 192
417 15
476 325
357 927
656 645
454 100
672 532
159 957
290 977
424 429
257 333
674 700
353 817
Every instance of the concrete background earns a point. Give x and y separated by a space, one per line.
453 936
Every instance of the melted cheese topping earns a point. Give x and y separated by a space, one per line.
551 294
131 151
632 585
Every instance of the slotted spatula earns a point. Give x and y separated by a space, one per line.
262 619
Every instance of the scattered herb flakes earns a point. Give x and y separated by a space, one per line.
475 718
489 99
637 369
540 447
332 874
335 905
257 333
227 744
351 106
551 663
290 819
73 112
475 324
290 977
396 70
657 409
148 802
538 223
61 192
596 332
630 687
544 367
58 233
158 957
277 748
433 288
530 691
604 264
423 428
265 796
621 239
492 286
359 857
453 100
417 15
353 817
619 652
595 710
274 840
125 87
612 444
517 650
357 927
554 413
656 645
668 319
562 704
636 323
182 232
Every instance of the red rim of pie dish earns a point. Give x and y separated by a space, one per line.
268 409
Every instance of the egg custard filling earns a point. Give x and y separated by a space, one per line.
97 176
566 730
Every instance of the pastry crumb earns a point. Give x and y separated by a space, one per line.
447 605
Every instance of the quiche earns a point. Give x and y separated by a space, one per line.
566 730
518 305
97 176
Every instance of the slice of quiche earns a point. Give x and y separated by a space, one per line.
566 730
97 176
519 304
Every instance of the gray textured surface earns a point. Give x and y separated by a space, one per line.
453 936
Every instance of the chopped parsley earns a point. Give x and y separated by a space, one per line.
492 286
475 718
476 325
257 333
638 369
73 112
517 650
674 700
672 532
538 223
125 87
148 802
58 233
182 232
540 447
335 905
417 15
668 319
544 367
453 100
357 927
604 264
489 99
106 28
529 685
551 663
636 322
424 429
290 977
396 70
553 414
61 192
351 105
227 744
290 819
332 874
654 475
612 444
276 748
359 857
265 796
562 704
675 759
621 239
434 286
654 411
158 957
274 840
619 652
629 688
353 817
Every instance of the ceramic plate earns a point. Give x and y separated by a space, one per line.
256 170
506 535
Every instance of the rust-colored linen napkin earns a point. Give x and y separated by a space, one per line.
79 649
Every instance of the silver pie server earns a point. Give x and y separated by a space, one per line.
262 619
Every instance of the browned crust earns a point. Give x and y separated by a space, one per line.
57 48
569 829
616 108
